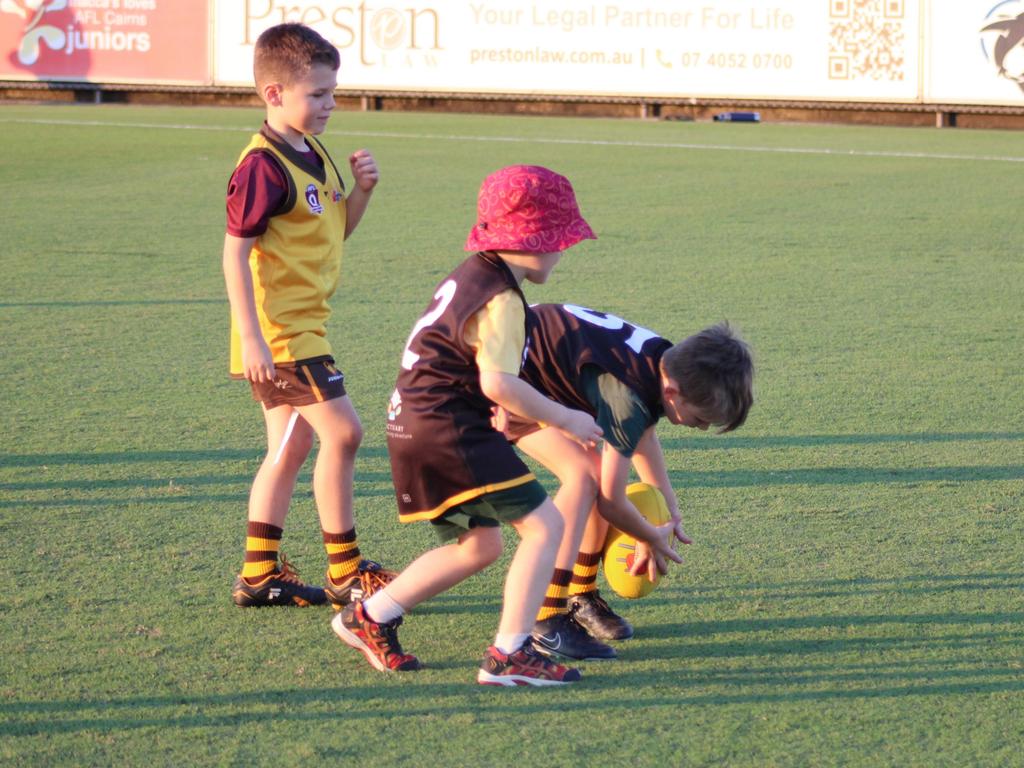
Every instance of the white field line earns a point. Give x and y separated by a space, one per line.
544 140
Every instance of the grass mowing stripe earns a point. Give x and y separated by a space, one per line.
552 140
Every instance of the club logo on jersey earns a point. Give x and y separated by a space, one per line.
313 199
336 195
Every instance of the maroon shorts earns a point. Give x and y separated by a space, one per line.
303 382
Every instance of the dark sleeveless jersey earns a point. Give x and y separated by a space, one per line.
565 338
442 446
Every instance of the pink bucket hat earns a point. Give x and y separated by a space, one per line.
527 208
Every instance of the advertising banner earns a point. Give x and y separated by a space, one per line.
976 53
774 49
901 51
151 41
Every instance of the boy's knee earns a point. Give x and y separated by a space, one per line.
346 439
587 484
485 547
294 453
548 520
352 437
491 551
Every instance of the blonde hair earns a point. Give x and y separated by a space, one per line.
287 52
714 370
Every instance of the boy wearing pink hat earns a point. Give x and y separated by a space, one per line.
450 466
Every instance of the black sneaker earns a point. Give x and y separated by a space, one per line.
281 587
370 577
562 636
593 614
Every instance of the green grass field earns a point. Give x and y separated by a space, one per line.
854 592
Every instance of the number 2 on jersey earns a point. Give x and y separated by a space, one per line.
445 294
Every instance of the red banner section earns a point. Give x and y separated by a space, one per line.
105 40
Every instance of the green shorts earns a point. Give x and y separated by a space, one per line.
490 510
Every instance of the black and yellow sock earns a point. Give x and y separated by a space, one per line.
262 543
556 599
584 573
342 554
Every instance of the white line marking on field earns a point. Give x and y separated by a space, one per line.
546 140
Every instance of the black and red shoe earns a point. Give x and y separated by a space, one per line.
377 642
523 667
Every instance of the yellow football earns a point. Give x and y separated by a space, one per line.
619 548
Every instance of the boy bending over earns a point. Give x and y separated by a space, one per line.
627 377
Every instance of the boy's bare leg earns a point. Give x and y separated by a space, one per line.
274 484
262 581
532 565
441 568
339 431
595 533
370 626
577 470
589 609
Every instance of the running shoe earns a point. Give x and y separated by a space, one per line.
523 667
280 587
592 613
377 642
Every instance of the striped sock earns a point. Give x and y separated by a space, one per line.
584 573
262 543
556 599
342 554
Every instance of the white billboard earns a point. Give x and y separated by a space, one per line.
835 50
975 52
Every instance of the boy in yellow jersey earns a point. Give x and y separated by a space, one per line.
288 216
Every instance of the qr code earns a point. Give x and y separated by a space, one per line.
866 40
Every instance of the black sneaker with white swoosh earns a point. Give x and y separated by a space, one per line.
561 636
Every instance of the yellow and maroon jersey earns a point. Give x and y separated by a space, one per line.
295 264
443 448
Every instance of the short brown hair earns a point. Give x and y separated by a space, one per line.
715 372
286 52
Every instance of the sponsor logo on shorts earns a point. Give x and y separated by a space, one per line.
394 406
